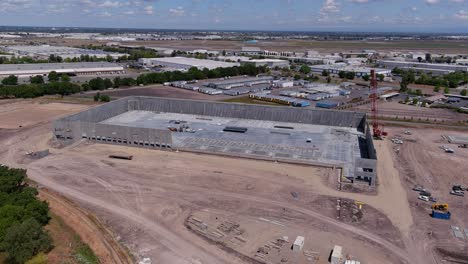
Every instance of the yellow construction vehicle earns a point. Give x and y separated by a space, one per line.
360 204
440 207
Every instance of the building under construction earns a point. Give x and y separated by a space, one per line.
308 136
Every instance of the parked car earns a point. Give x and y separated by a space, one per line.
418 188
424 198
457 193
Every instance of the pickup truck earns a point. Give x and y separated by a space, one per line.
457 193
424 198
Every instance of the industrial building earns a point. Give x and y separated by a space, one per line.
240 82
45 51
78 68
271 63
184 64
423 67
342 67
307 136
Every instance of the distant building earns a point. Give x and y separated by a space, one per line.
250 51
240 82
45 51
358 70
267 62
434 68
79 68
183 63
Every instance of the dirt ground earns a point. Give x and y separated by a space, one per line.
29 112
146 201
422 161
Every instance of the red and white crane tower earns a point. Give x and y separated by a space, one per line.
377 127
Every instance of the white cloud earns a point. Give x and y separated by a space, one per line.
149 10
330 6
179 11
462 14
109 4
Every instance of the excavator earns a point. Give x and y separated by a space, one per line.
440 207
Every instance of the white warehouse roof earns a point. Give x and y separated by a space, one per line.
45 68
186 63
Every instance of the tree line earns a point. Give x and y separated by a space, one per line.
450 80
60 83
22 218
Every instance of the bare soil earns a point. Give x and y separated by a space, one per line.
421 160
146 201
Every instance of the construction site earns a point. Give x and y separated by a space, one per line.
339 140
168 195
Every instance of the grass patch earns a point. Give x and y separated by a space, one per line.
248 100
85 255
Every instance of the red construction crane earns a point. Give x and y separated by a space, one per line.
377 128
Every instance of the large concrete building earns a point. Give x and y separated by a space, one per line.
183 63
78 68
44 52
435 68
341 67
271 63
326 138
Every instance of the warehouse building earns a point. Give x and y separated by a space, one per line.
184 64
426 67
240 82
45 51
335 139
78 68
342 67
271 63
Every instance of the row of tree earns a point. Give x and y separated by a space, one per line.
451 80
22 218
36 90
60 83
161 77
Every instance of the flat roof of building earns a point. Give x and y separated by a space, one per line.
329 145
199 63
71 65
37 68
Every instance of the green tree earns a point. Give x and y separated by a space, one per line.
97 84
415 101
117 82
365 78
305 69
381 77
446 90
97 97
53 76
325 73
437 88
350 75
342 74
329 79
105 98
10 80
25 240
64 77
108 83
464 92
38 79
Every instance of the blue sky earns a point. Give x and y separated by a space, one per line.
308 15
